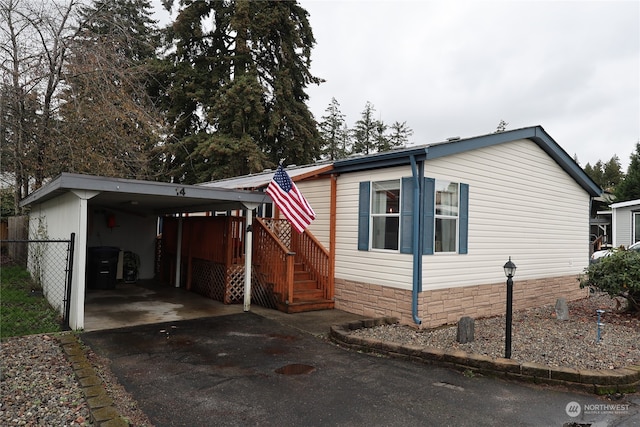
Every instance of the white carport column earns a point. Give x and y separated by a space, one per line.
248 251
78 284
178 251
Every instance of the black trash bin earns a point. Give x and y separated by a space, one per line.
102 267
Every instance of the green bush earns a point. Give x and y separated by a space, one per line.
618 275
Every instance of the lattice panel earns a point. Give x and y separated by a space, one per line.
234 292
262 292
281 228
208 279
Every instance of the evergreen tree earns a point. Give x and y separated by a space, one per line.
606 175
334 133
382 140
236 99
629 187
364 131
400 134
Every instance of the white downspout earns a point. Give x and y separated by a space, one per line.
179 251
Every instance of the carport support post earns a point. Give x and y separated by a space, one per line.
179 251
248 249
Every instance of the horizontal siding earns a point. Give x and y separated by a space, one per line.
521 204
377 267
318 194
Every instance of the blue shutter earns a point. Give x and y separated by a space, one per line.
428 215
363 216
463 226
406 216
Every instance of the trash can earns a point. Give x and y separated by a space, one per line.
102 267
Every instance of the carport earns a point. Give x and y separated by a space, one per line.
124 213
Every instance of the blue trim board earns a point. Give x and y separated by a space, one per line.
433 151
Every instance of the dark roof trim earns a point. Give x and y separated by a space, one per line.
433 151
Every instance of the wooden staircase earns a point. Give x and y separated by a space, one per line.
293 268
307 295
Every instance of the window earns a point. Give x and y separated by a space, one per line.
385 214
636 227
387 210
446 216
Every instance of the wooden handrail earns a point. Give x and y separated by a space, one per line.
308 250
311 252
273 260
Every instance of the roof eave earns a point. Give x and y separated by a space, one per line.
535 133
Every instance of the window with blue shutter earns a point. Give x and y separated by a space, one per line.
428 215
406 216
445 216
363 215
463 227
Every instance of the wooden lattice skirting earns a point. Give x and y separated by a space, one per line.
211 280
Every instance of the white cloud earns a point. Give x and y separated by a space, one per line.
454 68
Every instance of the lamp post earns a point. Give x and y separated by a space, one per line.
509 271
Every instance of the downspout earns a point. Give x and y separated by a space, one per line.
417 240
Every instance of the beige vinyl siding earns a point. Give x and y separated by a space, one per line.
388 268
521 204
318 194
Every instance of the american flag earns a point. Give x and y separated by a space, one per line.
290 201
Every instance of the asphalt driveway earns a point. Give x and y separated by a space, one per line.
245 369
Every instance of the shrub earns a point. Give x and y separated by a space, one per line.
618 275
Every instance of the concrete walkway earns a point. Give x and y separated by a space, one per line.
149 302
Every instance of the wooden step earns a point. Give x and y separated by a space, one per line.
307 294
303 306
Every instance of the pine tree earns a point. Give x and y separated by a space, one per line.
606 175
236 99
364 131
629 187
334 133
400 134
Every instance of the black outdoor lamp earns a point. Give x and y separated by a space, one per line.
509 271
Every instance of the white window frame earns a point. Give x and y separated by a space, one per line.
373 215
441 183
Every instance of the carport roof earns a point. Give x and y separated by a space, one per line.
147 197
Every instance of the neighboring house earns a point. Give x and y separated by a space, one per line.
422 233
625 218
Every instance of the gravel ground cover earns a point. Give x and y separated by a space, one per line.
537 336
39 388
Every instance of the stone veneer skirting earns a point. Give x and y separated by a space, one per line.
446 306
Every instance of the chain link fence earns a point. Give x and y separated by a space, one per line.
35 286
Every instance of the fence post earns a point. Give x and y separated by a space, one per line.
67 308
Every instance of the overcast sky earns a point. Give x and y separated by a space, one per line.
454 68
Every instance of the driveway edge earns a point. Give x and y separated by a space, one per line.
601 382
101 407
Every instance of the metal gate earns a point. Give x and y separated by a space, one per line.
50 264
